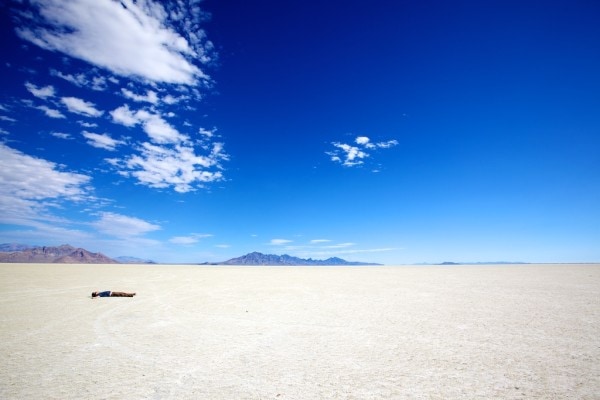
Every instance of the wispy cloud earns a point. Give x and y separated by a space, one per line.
133 39
387 145
82 107
76 79
149 97
183 240
123 226
86 124
31 186
170 99
35 178
102 141
96 82
366 142
157 129
40 92
31 191
207 132
324 248
170 158
339 253
50 112
340 245
48 233
178 167
61 135
191 239
280 242
353 155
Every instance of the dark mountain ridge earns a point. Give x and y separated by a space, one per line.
256 258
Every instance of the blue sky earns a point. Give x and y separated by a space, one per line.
392 132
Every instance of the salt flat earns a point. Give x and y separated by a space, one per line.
460 332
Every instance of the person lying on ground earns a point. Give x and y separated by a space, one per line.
108 293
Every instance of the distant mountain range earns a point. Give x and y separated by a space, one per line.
64 254
479 263
256 258
20 253
132 260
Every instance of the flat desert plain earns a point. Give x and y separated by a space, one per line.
192 332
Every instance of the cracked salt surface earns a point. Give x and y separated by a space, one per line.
489 332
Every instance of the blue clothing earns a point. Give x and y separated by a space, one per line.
104 294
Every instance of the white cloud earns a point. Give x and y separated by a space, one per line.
161 46
178 166
98 83
351 156
87 124
50 112
157 129
5 118
317 241
29 186
149 97
362 140
48 233
129 38
3 132
76 79
338 253
102 141
61 135
340 245
123 226
40 92
82 80
81 107
124 116
279 242
34 178
169 159
388 144
183 240
207 133
314 246
170 99
193 238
